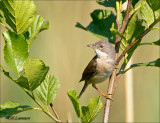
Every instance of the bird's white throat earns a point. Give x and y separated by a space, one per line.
100 53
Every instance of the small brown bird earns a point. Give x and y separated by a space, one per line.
100 67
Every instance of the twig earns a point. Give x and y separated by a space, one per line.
56 114
136 40
112 79
32 96
130 46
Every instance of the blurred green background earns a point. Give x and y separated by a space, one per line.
63 49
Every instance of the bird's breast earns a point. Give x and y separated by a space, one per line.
103 70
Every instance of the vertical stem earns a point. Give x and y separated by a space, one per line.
117 45
129 113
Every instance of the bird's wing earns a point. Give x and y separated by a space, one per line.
90 70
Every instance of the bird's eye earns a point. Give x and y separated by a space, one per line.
101 46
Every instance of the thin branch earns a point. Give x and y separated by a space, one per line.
56 114
136 40
121 56
113 76
43 109
32 96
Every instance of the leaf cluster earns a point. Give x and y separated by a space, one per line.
22 27
106 22
85 113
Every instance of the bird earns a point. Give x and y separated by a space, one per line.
100 67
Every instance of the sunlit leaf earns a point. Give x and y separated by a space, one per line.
39 25
10 108
1 18
91 111
15 50
35 72
133 30
19 14
156 14
74 99
146 13
114 31
48 89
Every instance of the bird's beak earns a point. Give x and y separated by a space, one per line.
91 45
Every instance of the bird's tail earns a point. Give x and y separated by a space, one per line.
83 89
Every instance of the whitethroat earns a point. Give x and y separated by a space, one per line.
100 67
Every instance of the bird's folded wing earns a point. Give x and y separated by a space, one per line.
90 70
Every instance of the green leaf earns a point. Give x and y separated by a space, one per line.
1 18
15 50
39 25
85 114
114 31
74 99
156 43
107 3
155 63
91 111
23 82
35 73
10 108
133 30
134 2
146 13
155 4
19 14
101 24
153 43
48 89
156 14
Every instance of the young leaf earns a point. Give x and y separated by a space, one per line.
19 14
39 25
101 24
85 118
48 89
146 13
1 18
133 30
74 99
90 111
114 31
10 108
15 50
153 43
155 63
35 73
155 4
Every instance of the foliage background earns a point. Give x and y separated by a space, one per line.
63 48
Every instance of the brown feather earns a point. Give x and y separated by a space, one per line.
90 70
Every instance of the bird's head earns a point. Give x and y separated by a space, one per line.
103 48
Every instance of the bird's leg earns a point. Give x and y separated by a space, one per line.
107 96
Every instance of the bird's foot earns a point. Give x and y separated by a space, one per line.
108 96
